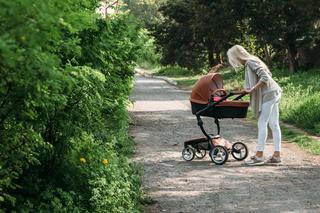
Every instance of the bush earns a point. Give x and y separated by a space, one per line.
148 57
65 79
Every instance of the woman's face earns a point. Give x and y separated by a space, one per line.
241 61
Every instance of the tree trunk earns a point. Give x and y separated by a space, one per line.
218 57
211 57
292 60
267 54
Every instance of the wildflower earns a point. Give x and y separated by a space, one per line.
23 38
83 160
105 162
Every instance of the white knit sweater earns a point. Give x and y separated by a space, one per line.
255 72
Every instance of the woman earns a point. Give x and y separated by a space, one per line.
265 95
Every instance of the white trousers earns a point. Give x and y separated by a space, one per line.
269 114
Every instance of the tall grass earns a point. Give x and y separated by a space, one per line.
301 100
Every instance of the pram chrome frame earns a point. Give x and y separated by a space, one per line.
211 104
209 99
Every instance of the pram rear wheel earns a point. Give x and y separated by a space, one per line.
219 155
239 151
188 154
200 153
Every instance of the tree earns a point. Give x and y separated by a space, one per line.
193 31
145 10
175 36
215 26
284 24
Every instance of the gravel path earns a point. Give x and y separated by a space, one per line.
163 121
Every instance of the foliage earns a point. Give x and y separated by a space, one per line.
175 38
195 34
148 57
145 10
291 27
65 78
215 26
300 104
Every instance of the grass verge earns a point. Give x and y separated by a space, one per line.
303 141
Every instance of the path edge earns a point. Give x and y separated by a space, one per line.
144 73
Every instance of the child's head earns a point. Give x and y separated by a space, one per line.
216 68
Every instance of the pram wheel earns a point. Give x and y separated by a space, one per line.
188 154
219 155
200 153
239 151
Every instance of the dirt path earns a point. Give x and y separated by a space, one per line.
163 121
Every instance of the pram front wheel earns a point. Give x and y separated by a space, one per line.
219 155
200 153
239 151
188 154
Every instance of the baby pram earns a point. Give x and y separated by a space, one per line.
209 99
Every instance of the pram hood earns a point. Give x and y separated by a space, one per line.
204 87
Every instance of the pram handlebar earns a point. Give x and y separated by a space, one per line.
240 93
212 103
227 95
239 97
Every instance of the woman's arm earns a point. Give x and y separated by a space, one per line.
260 71
257 86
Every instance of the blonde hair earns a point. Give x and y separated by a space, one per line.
237 53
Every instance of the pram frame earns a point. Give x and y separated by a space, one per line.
205 104
211 104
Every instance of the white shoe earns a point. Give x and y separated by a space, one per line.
254 161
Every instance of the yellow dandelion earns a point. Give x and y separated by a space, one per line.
83 160
23 38
105 162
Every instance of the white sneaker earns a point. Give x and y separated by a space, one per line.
254 161
273 160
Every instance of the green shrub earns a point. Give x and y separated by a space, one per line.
65 79
149 58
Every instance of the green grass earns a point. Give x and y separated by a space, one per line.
184 77
300 104
186 82
303 141
175 71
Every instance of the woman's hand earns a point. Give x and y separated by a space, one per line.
257 86
247 91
